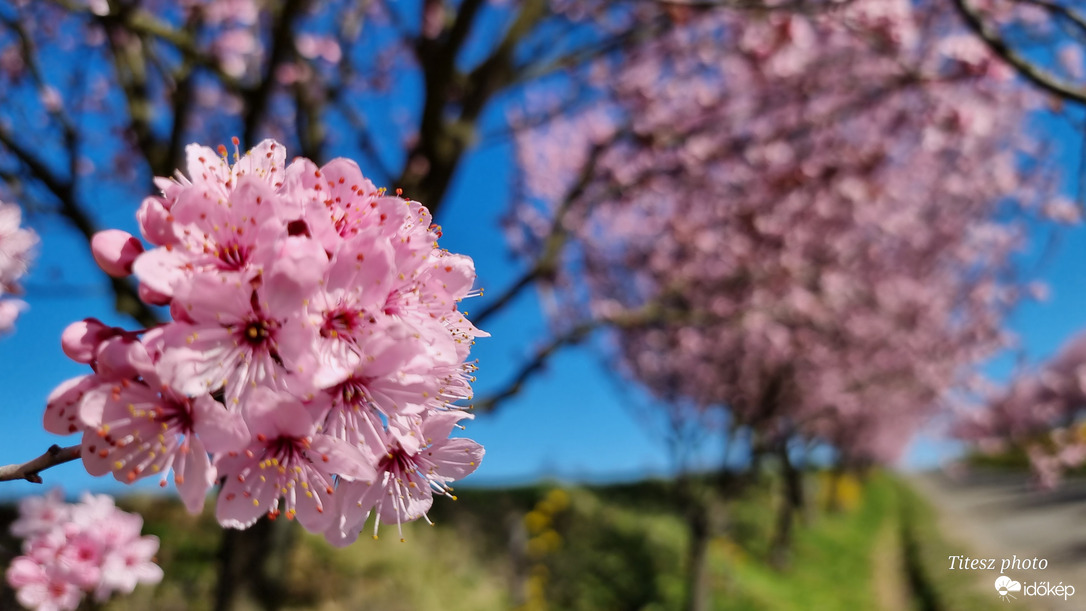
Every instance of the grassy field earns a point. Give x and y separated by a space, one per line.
594 548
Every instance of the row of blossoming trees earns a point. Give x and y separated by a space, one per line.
816 258
797 215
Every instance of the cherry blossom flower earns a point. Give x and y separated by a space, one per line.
287 459
16 250
70 550
314 323
408 477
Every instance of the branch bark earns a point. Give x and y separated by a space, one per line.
1029 71
30 470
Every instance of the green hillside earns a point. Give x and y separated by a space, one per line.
585 548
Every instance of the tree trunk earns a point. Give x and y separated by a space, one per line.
253 566
792 500
697 578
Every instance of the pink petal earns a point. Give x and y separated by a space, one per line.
198 477
337 456
64 406
456 459
220 429
298 269
274 415
202 360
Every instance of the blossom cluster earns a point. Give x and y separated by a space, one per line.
16 247
72 549
314 358
820 253
1039 413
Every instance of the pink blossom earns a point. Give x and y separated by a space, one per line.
43 587
287 459
16 250
407 477
311 46
314 319
147 429
74 549
38 514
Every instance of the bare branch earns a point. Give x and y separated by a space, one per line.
546 265
29 470
536 364
652 313
1030 71
282 49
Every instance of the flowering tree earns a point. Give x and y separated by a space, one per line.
1039 412
805 244
820 252
692 158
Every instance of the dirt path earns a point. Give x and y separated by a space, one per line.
1000 516
888 569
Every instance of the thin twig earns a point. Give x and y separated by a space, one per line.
29 470
1026 68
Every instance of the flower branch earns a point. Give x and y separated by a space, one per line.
30 470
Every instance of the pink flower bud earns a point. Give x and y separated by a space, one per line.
122 357
81 339
155 221
114 251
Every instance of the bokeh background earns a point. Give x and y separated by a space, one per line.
562 145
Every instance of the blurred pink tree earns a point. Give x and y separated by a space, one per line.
1038 413
787 238
794 213
799 226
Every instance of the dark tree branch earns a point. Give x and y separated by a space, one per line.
429 166
536 364
546 265
29 470
1029 70
282 48
130 65
183 93
649 314
128 301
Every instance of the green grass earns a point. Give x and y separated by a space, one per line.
830 568
597 548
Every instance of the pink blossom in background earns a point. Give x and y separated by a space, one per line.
315 329
1040 412
819 251
16 250
74 549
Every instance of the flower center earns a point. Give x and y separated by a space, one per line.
233 256
339 322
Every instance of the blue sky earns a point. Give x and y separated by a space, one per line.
572 421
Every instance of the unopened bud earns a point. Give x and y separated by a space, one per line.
81 339
115 250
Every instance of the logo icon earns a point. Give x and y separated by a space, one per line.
1005 585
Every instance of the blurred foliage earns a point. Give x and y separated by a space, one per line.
597 548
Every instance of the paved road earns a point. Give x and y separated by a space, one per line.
1001 516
